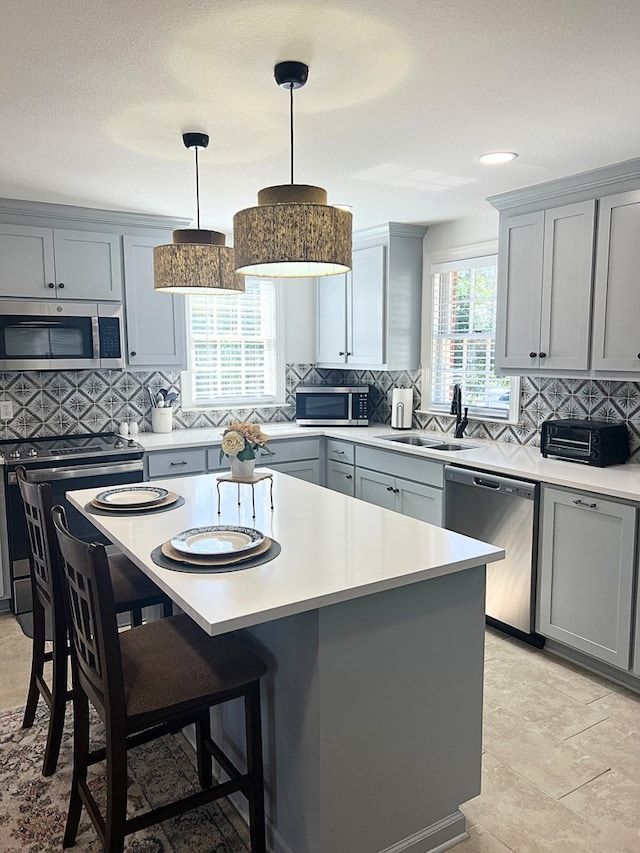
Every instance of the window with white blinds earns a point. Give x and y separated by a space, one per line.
234 352
463 339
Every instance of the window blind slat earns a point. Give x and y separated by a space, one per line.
463 336
233 345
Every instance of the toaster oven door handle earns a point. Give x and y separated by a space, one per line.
74 472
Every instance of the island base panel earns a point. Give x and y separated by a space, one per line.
373 719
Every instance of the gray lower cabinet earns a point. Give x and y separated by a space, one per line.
175 463
298 457
341 478
400 482
340 471
586 574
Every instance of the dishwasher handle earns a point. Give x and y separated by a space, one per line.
492 482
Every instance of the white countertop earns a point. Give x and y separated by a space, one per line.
621 481
334 548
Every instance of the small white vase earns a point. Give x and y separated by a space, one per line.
242 469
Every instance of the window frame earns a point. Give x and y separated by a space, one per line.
461 254
227 404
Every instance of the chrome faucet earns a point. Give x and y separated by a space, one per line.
456 409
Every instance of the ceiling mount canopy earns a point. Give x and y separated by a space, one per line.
293 232
198 261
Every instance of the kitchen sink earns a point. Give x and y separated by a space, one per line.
421 441
416 440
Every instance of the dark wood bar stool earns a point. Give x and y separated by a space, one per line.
133 590
144 683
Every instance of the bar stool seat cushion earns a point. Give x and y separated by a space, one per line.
129 583
171 664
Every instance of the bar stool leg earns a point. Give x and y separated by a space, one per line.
37 665
58 701
255 794
80 754
116 817
205 768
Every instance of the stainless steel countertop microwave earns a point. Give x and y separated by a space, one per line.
58 335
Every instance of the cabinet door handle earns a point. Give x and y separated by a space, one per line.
584 503
348 476
533 355
389 488
61 284
396 491
349 353
339 452
639 355
178 463
134 353
542 354
51 285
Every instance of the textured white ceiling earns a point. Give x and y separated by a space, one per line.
402 96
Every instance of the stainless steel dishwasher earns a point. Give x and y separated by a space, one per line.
504 512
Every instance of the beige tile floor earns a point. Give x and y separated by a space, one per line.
562 752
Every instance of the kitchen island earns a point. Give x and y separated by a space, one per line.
372 624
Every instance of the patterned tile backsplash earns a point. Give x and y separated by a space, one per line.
59 403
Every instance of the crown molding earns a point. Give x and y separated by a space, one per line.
19 207
593 181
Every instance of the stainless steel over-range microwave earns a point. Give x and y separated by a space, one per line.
332 405
60 335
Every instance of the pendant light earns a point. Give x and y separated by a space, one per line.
198 261
293 232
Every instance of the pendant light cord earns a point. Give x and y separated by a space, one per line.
197 191
291 125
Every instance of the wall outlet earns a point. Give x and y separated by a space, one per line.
6 410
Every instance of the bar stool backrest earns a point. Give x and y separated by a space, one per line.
95 648
46 571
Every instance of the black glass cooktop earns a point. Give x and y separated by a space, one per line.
53 448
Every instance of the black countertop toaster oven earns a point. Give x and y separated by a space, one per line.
597 443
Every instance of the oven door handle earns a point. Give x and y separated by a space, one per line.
74 472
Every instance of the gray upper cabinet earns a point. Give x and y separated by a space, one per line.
545 272
554 316
616 333
586 574
370 317
331 319
155 322
48 263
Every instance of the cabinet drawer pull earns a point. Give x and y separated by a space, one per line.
389 488
348 476
584 503
339 452
184 462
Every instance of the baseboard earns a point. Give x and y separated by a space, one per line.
436 838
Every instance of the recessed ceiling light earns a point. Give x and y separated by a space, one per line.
494 157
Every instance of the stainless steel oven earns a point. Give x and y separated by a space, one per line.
72 462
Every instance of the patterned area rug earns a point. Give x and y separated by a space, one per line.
33 809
